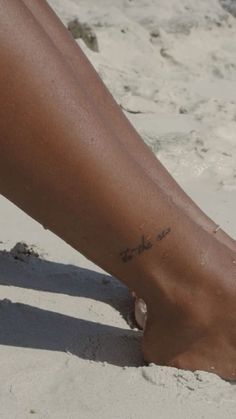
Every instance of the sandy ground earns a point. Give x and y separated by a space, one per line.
67 350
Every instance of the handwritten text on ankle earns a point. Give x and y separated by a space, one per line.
145 244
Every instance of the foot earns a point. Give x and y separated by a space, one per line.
191 321
140 307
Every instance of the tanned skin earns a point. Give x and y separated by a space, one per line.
112 115
70 159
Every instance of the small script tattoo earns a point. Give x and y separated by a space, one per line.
129 253
145 244
163 234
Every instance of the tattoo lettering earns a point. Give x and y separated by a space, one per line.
128 254
163 234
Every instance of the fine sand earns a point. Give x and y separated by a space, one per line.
67 346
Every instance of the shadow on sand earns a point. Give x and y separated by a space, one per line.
30 327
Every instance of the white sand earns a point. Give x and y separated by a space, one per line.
66 349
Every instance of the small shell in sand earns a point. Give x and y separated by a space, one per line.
140 312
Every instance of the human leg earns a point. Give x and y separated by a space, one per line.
61 164
118 123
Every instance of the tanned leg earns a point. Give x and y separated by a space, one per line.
118 123
60 163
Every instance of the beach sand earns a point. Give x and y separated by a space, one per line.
67 346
